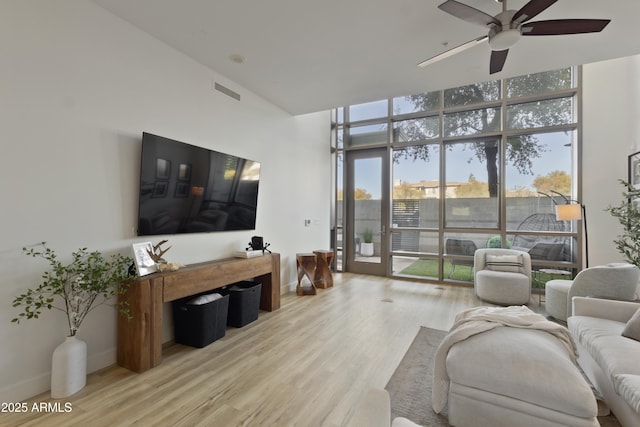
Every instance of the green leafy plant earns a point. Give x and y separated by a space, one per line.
367 235
77 288
496 242
628 243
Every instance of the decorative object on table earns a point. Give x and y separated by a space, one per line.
257 244
634 169
573 210
144 263
170 266
628 243
75 289
247 253
149 258
366 247
156 252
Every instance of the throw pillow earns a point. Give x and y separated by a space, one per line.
632 329
506 263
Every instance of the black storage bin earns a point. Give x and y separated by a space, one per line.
200 325
244 303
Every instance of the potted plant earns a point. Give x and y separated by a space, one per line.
496 242
366 247
628 243
75 289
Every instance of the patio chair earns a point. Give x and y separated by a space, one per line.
461 247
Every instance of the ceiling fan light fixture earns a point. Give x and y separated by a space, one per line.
504 39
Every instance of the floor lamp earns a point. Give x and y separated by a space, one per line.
573 212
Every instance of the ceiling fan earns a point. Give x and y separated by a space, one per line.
506 28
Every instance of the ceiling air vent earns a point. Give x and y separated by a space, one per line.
227 91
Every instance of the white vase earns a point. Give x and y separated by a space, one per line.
68 368
366 249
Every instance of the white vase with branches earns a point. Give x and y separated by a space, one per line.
75 289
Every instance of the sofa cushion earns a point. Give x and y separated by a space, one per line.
505 263
632 328
603 340
586 330
616 355
629 388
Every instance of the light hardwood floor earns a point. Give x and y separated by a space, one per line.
308 364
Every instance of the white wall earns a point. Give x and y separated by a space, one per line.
78 86
611 99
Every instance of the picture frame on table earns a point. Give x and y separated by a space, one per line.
634 170
634 178
144 263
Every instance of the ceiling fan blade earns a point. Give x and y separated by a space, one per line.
498 58
564 26
531 10
468 13
452 51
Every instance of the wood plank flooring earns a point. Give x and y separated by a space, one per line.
308 364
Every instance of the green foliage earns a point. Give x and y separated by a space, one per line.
557 180
406 191
473 188
361 194
367 235
496 242
628 243
77 288
520 150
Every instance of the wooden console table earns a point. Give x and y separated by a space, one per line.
140 339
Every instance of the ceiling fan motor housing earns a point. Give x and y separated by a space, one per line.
505 36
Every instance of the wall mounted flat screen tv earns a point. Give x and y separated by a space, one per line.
189 189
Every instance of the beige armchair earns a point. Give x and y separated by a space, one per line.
612 281
502 276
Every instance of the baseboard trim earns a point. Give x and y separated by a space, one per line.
35 386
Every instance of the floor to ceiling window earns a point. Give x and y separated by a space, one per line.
482 165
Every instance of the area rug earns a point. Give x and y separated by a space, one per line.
410 384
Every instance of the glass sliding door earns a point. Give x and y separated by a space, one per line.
367 212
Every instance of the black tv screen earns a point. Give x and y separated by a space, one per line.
189 189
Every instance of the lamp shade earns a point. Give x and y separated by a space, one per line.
568 212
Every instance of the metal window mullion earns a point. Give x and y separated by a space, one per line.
502 180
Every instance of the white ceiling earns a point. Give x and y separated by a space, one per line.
308 56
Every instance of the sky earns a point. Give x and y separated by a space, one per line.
556 157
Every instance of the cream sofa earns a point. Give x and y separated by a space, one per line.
611 361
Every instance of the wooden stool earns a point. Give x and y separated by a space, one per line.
323 278
306 264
